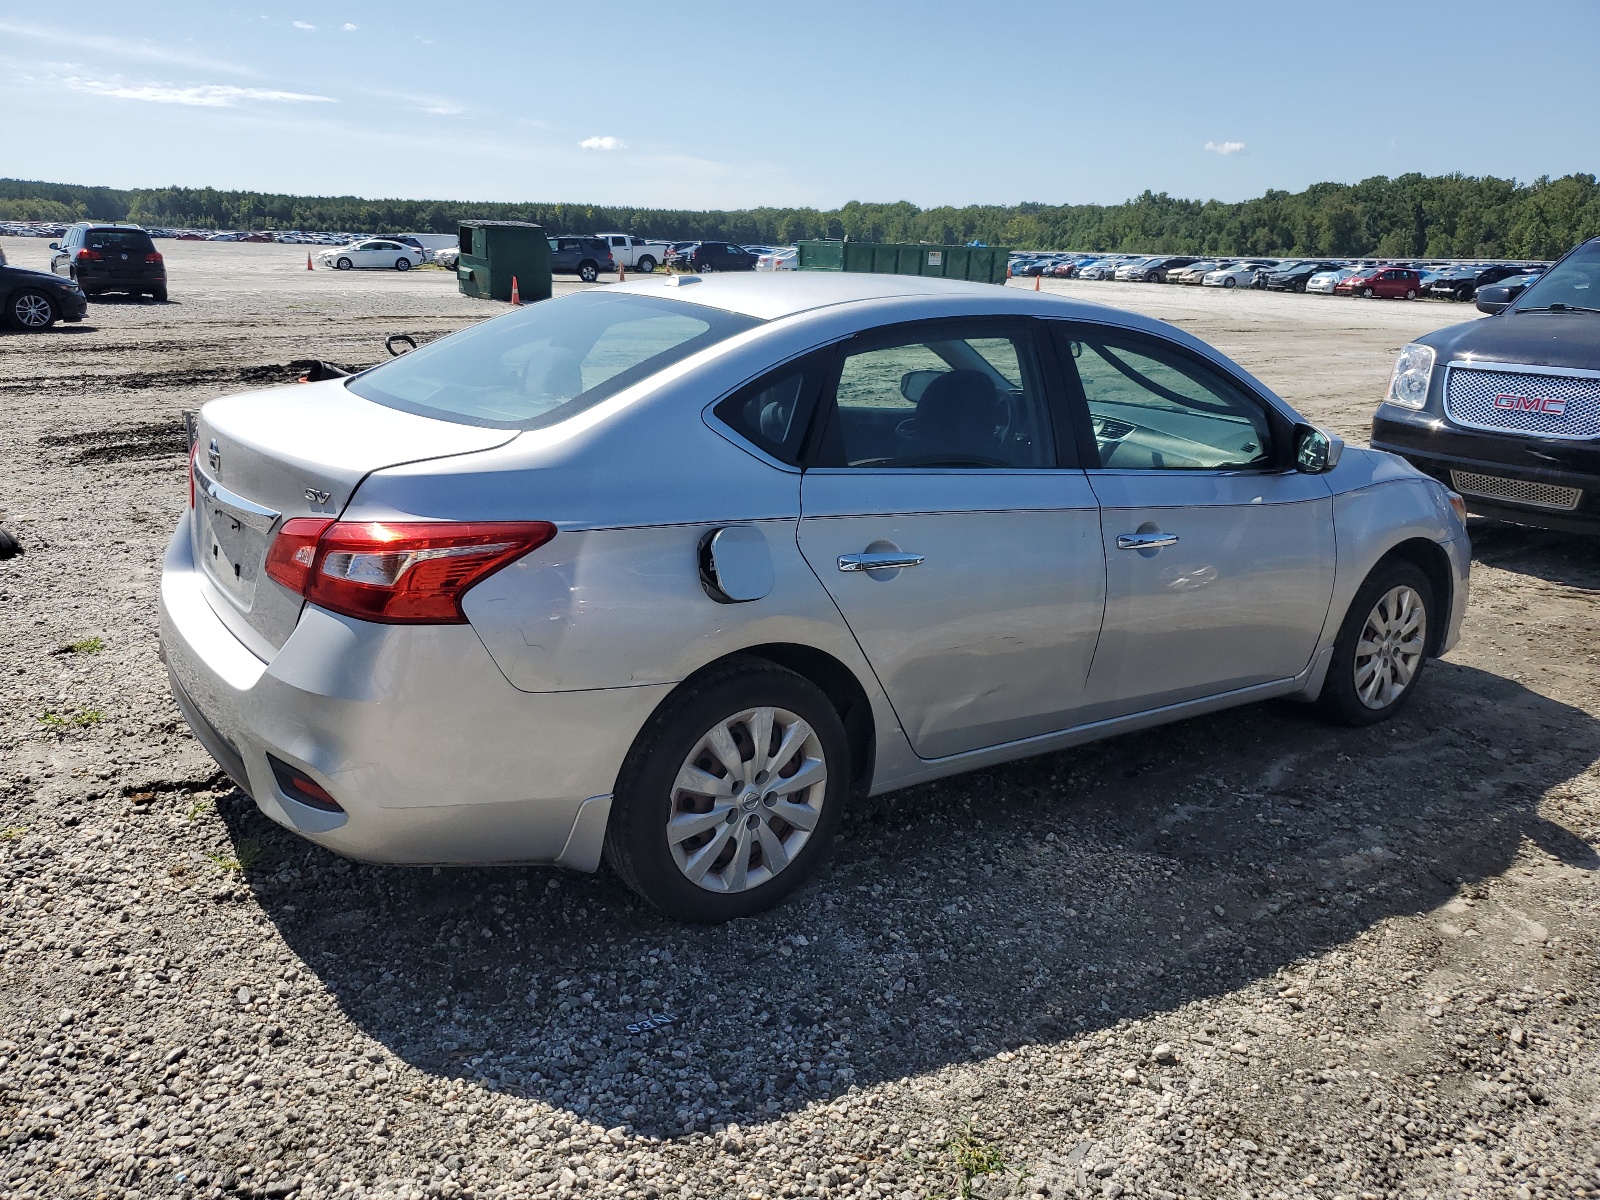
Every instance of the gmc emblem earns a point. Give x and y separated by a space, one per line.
1535 404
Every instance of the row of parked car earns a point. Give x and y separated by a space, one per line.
1383 280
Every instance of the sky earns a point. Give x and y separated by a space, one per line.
717 104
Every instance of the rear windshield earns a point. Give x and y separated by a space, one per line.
122 240
547 362
1574 282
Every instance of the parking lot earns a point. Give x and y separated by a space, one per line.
1249 955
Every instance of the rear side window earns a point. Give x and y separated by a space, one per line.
775 412
945 397
547 362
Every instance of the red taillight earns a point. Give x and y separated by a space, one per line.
153 257
87 255
292 552
397 572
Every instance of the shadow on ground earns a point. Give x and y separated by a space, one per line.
1018 904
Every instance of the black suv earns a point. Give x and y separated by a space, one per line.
716 256
1507 411
584 257
110 258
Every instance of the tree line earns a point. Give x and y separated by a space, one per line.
1434 216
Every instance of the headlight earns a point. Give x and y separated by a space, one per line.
1413 368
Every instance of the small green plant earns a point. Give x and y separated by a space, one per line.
57 723
199 808
89 645
245 855
13 834
972 1158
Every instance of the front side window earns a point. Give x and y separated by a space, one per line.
1574 282
942 399
1156 409
546 362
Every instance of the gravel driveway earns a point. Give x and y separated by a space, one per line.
1247 955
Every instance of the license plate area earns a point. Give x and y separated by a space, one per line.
232 551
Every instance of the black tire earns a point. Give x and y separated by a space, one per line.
646 265
9 546
1340 699
31 309
159 295
402 264
344 264
703 268
588 271
636 843
1229 282
1411 294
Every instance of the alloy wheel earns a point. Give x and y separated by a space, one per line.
32 310
746 799
1391 647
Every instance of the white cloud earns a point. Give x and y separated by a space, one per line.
348 27
124 48
207 95
603 143
1224 148
306 25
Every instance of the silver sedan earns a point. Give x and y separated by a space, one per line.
670 572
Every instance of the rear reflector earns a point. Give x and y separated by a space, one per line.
297 785
397 572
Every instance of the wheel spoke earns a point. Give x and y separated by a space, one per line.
702 783
700 861
760 726
721 743
811 772
685 825
737 873
795 736
801 816
772 851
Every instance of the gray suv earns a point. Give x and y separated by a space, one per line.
584 257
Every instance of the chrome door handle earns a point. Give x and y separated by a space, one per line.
1145 541
886 561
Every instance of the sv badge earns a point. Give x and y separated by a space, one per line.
314 496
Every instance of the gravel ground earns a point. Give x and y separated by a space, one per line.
1251 956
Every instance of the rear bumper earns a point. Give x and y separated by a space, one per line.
433 755
1440 449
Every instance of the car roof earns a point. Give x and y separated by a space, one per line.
769 296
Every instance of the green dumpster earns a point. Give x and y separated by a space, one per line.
493 253
982 264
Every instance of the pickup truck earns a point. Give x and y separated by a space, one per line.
634 253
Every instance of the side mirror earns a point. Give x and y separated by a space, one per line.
53 246
1315 450
1493 299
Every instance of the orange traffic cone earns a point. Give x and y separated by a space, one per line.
516 296
309 267
1036 285
622 273
1008 270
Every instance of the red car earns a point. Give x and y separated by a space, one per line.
1389 283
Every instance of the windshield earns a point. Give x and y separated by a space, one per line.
1573 282
547 362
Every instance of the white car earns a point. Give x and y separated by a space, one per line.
374 252
1133 269
1326 281
786 259
1234 275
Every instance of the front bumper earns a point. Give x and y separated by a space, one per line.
433 755
1438 448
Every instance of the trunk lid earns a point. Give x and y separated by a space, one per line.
298 451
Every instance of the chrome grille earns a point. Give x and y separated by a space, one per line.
1517 491
1556 405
